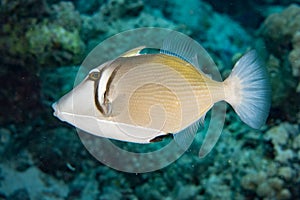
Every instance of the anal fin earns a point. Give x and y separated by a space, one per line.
185 137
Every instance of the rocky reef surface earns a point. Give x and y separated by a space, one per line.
42 43
280 33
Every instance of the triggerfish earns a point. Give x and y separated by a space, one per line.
147 93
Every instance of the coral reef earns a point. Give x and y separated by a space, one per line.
256 10
30 184
280 33
281 178
43 42
37 41
219 35
65 15
53 42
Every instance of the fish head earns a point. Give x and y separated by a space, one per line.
78 102
81 102
79 108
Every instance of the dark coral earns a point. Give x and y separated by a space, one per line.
35 35
280 32
20 98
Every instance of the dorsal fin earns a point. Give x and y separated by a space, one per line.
133 52
179 45
188 49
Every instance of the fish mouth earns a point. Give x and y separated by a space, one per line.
56 109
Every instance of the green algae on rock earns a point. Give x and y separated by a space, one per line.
54 41
34 40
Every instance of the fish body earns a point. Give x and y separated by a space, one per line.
140 97
158 91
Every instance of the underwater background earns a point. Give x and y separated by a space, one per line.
43 43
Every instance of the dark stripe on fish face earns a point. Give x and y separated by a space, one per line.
111 78
96 76
96 94
106 102
105 106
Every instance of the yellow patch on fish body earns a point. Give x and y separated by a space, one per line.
159 91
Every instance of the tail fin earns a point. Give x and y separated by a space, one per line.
248 90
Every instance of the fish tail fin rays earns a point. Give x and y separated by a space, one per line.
248 90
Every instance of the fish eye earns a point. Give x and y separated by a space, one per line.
94 74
